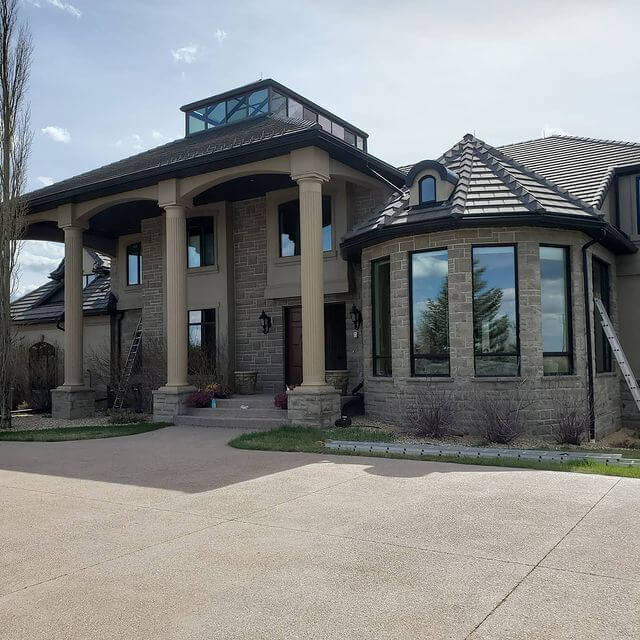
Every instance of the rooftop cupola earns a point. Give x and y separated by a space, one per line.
261 99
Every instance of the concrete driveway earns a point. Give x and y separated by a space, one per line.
172 534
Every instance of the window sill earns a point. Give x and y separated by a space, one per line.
192 271
607 374
561 376
427 379
379 379
132 288
497 379
283 261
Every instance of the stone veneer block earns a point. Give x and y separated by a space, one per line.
314 406
169 402
71 403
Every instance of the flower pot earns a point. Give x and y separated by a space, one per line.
338 379
245 382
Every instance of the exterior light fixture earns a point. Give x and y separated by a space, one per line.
266 322
356 317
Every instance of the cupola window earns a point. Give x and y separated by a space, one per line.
427 188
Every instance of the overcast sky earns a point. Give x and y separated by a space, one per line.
109 76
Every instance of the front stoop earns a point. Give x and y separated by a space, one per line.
69 403
170 402
314 406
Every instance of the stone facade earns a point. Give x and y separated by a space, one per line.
153 278
384 395
70 404
316 408
169 403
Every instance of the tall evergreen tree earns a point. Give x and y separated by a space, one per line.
432 327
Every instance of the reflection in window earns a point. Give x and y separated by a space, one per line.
134 264
430 313
278 103
202 339
556 311
236 109
216 114
258 102
87 279
200 242
381 316
427 187
196 121
289 225
600 279
309 115
337 130
324 122
495 311
295 109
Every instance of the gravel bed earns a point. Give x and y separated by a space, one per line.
38 422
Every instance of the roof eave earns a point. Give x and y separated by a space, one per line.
221 160
614 239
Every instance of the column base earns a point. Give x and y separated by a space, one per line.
169 402
314 406
69 403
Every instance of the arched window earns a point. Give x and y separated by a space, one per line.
427 189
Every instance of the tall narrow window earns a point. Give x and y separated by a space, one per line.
289 223
134 264
495 311
427 187
600 279
200 242
381 315
555 290
202 338
430 313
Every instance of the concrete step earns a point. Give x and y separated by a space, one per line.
251 424
252 402
237 412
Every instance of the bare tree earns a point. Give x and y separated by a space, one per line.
15 142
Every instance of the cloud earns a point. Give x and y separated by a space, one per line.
64 6
133 141
548 130
46 180
220 35
36 260
188 54
57 134
156 135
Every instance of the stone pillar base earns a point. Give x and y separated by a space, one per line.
314 406
70 403
169 402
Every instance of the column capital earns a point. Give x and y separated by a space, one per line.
309 163
67 218
310 176
174 209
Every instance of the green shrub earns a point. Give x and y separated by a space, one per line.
126 416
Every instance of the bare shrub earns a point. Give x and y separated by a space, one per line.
571 422
501 417
431 414
126 416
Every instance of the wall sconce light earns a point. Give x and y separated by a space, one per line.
266 322
356 317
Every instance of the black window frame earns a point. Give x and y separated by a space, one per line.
199 221
326 202
423 356
606 366
435 194
517 306
374 357
211 324
638 205
568 285
137 245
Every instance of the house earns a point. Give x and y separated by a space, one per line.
271 233
38 318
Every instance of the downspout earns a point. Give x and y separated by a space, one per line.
587 322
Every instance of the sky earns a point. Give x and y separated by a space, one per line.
108 77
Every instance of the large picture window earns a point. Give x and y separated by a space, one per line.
134 264
430 313
200 242
600 271
289 225
202 338
556 311
381 316
495 311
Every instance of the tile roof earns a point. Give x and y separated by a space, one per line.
583 166
490 183
199 145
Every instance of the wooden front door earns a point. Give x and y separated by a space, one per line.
293 345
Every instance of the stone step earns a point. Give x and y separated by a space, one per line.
237 412
252 402
251 424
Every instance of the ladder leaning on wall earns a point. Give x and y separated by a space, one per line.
618 353
128 367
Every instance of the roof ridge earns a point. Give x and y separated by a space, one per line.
545 181
461 191
622 143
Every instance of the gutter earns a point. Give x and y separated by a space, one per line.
587 322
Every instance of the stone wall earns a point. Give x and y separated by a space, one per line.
153 276
385 395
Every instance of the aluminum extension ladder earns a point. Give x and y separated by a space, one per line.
128 367
616 348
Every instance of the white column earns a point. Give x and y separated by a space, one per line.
73 313
176 258
312 281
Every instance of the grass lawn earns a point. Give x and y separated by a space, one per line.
311 440
81 433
